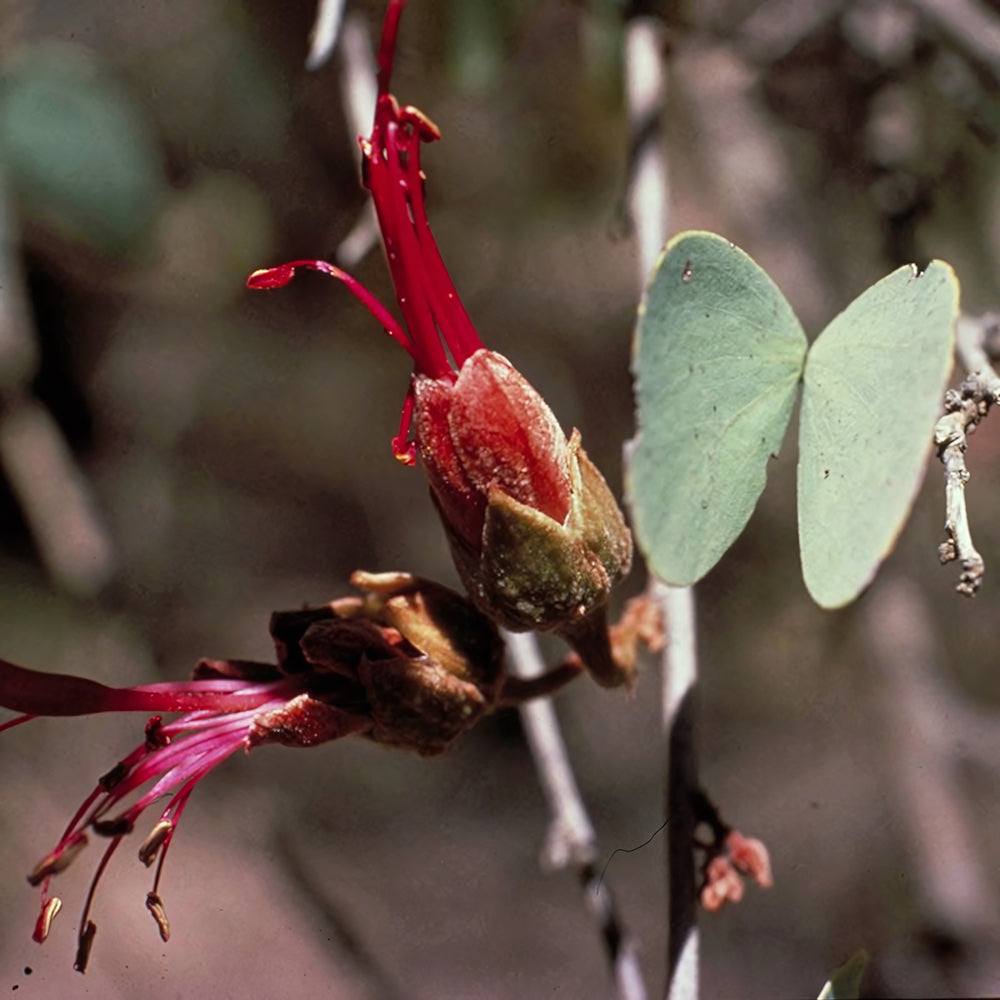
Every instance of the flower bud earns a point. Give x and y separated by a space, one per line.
536 534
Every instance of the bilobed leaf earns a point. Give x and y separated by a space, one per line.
845 983
873 386
717 358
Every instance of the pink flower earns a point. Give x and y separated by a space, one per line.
170 762
534 530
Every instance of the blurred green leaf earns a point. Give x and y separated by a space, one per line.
873 385
845 983
475 44
717 360
76 149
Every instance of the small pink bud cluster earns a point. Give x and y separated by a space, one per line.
723 873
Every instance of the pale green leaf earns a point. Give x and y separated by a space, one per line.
717 359
845 983
874 381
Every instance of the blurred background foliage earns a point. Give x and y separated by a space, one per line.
181 457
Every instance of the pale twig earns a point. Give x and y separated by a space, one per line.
325 31
571 840
965 407
774 28
648 205
358 90
680 678
55 498
645 88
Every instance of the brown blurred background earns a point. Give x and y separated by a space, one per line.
180 457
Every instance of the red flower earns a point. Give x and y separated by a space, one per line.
535 532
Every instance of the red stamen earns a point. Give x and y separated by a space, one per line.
87 927
16 722
387 47
278 277
388 183
459 333
404 449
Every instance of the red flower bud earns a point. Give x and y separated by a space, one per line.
489 428
535 532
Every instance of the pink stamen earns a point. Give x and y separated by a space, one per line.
181 754
35 693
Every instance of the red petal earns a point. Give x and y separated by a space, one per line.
505 434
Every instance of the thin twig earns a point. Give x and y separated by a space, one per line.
965 407
772 29
358 89
680 677
648 202
571 840
645 91
325 31
748 172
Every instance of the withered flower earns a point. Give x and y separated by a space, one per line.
407 663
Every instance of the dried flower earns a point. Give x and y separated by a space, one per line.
407 664
536 534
